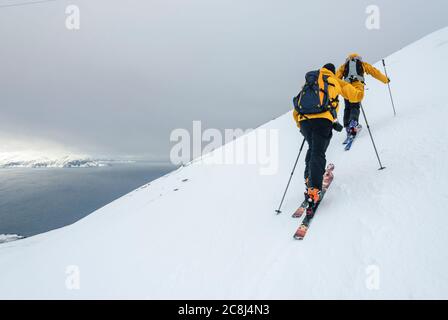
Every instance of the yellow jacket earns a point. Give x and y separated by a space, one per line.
369 69
337 87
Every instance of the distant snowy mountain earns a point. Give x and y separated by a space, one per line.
9 237
36 160
209 231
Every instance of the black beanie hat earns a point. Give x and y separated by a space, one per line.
331 67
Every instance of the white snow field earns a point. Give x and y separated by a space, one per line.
378 234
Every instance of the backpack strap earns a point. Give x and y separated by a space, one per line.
326 99
328 102
333 100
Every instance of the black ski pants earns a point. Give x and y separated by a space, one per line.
351 112
317 133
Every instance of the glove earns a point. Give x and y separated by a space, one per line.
388 80
337 126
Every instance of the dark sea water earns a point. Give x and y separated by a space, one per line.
33 201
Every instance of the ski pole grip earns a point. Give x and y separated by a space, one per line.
384 63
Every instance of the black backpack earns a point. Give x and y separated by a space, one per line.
308 100
354 70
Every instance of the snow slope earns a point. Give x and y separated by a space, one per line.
217 236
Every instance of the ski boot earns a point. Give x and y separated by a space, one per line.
352 129
347 139
314 196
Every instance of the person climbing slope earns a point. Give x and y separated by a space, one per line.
353 71
315 113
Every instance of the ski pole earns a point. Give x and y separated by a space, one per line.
371 137
289 181
388 85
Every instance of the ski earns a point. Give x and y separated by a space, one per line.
349 143
311 210
346 139
305 225
351 138
301 210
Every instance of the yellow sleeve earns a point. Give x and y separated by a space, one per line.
350 92
340 72
295 115
374 72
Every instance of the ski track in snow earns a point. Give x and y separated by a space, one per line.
217 236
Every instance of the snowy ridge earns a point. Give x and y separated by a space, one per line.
21 160
9 237
210 232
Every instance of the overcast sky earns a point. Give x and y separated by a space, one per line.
137 69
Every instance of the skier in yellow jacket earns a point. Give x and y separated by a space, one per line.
317 127
353 71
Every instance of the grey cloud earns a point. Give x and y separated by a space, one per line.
138 69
